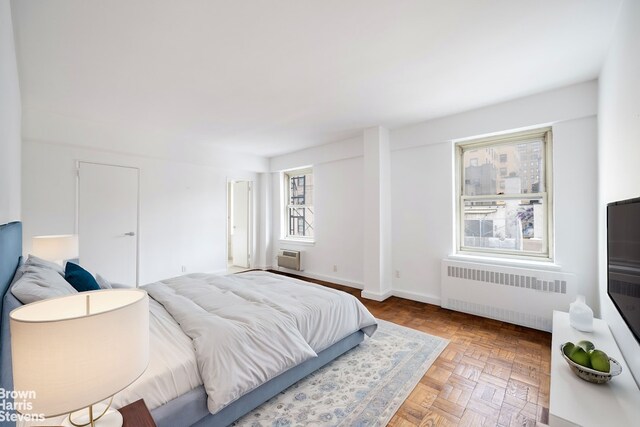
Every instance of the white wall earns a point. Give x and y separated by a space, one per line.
182 205
327 153
422 192
422 185
183 190
619 153
421 208
10 116
339 197
51 127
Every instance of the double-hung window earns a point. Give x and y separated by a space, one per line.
504 195
298 209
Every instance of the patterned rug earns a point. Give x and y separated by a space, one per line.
363 387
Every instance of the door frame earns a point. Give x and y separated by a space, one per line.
250 216
77 207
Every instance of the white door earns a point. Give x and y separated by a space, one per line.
108 221
240 224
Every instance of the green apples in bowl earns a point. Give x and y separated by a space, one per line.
589 363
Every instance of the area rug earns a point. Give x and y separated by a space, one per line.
363 387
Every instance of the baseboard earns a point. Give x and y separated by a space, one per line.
377 296
417 296
414 296
317 276
336 280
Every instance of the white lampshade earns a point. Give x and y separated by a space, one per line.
55 248
71 359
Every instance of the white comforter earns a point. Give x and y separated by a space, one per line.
249 328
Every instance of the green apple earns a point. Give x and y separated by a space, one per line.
567 347
600 361
581 357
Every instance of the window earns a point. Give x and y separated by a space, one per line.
503 171
298 209
502 215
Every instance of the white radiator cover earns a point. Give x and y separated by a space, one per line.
521 296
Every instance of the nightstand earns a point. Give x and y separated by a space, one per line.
136 414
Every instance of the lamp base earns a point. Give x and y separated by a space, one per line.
111 418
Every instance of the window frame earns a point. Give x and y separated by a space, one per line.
546 136
285 181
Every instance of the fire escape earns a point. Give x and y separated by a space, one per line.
298 224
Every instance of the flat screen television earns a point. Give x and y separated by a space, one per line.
623 260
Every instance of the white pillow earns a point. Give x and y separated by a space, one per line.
105 284
38 283
43 263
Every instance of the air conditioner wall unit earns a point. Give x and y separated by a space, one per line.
289 259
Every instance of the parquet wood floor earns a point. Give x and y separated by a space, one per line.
492 373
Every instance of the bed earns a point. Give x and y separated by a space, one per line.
177 386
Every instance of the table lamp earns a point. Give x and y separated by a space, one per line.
72 352
55 248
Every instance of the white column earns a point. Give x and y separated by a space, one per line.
377 214
263 190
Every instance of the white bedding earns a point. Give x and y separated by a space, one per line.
172 370
342 314
268 324
249 328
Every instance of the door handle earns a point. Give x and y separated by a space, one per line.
131 233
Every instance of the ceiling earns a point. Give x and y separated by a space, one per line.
270 77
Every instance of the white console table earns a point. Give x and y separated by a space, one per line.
575 402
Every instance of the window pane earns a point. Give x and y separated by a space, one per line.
300 221
299 209
516 168
301 189
515 225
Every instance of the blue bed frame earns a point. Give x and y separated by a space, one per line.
10 258
185 410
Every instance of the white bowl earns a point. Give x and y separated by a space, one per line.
592 375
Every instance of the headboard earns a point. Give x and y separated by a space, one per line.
10 253
10 256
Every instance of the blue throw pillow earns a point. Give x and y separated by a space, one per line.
80 278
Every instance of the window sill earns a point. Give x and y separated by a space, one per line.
507 262
299 242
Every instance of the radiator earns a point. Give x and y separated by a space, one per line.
289 259
521 296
